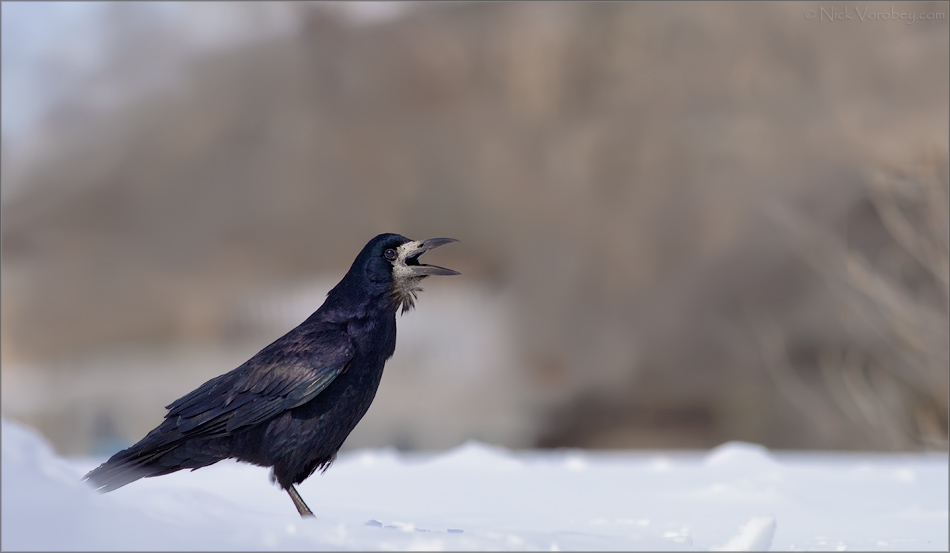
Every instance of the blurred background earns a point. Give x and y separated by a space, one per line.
680 223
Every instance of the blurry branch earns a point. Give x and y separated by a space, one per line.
926 195
912 330
847 376
890 378
793 386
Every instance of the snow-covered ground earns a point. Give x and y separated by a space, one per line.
737 496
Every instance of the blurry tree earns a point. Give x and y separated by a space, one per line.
607 167
889 380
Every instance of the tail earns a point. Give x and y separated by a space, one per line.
126 467
163 451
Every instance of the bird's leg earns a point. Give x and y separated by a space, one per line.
298 502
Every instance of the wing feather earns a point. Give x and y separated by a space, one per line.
286 374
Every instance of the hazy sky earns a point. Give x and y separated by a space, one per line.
43 42
56 50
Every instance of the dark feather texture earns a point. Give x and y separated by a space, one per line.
290 406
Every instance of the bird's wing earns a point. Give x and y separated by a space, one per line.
286 374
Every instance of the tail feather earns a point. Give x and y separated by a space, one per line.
126 467
146 459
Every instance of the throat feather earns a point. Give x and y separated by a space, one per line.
404 292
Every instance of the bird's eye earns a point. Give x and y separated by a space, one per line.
390 254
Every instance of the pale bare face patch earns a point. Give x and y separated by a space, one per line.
403 252
405 279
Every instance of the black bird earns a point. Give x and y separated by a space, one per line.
291 406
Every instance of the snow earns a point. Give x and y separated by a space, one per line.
737 497
755 535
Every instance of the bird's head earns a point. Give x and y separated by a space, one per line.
392 261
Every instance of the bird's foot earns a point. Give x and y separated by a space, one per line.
298 502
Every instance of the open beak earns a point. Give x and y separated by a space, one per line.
416 249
